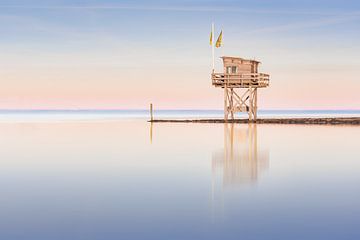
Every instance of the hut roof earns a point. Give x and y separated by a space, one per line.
239 58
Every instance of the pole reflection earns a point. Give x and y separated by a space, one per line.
151 132
240 161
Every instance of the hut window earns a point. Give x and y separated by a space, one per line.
231 70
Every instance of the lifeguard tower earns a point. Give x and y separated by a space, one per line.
241 74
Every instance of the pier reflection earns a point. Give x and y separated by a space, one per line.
241 161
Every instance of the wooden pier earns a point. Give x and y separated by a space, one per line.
307 121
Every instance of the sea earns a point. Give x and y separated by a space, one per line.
89 114
110 174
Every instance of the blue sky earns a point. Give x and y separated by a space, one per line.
85 54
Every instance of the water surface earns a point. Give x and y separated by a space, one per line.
89 178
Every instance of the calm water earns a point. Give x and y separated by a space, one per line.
60 115
93 177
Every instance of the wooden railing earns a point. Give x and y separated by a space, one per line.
244 80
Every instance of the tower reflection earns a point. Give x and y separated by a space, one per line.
240 162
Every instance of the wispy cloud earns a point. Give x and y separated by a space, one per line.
177 8
308 24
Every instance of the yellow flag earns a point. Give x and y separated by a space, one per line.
219 40
211 38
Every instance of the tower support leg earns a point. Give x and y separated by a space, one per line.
251 99
233 102
232 107
225 103
255 104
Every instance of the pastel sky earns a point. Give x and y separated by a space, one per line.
71 54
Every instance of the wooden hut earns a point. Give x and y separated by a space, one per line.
243 75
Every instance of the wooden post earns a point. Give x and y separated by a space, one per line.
255 105
213 46
225 103
250 104
232 104
151 112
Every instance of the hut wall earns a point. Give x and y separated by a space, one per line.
243 65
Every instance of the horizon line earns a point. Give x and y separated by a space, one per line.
164 109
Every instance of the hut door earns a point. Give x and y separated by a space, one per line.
228 70
253 68
234 70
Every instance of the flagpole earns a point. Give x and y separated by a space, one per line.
213 47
